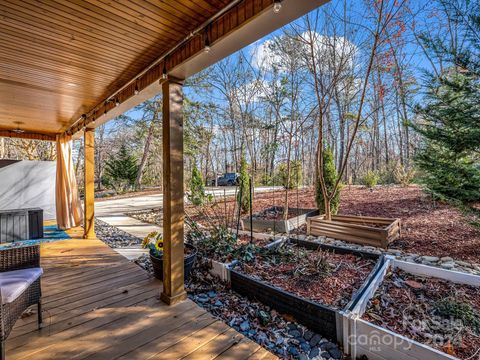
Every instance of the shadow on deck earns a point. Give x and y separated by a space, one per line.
98 305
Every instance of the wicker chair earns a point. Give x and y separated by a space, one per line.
20 274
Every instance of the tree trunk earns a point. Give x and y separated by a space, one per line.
328 212
146 149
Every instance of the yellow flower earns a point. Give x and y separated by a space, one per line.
152 235
159 244
148 239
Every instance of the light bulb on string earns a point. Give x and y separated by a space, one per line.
136 91
277 6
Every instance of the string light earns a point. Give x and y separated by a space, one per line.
277 6
164 72
136 91
207 41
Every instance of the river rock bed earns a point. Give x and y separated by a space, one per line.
114 237
152 216
279 334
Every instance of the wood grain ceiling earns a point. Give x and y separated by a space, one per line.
59 58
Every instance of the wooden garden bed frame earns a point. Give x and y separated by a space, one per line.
280 226
320 318
356 229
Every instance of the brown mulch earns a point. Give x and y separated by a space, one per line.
245 239
428 227
419 308
274 213
299 274
130 195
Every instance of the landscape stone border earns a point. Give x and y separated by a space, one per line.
446 262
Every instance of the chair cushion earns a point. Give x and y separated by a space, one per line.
14 283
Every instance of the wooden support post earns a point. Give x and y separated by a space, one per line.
89 181
173 193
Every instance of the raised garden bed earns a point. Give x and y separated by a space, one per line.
364 230
220 248
315 299
413 311
271 220
222 269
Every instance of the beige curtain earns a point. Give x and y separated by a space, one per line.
69 209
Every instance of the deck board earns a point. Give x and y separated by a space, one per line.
98 305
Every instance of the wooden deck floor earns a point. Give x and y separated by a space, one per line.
98 305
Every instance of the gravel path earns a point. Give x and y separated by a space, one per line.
113 236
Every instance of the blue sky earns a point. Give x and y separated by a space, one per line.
414 55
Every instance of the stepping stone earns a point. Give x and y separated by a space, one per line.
431 259
449 265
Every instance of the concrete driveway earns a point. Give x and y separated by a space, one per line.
115 207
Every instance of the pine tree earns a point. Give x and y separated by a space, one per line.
244 196
330 176
449 122
450 126
197 189
121 170
295 175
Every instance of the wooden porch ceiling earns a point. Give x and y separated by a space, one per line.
61 59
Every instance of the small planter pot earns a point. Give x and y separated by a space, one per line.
189 261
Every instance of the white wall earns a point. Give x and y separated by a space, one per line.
29 184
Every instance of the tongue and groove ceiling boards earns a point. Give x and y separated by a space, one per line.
60 58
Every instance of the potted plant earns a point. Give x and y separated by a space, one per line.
154 242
